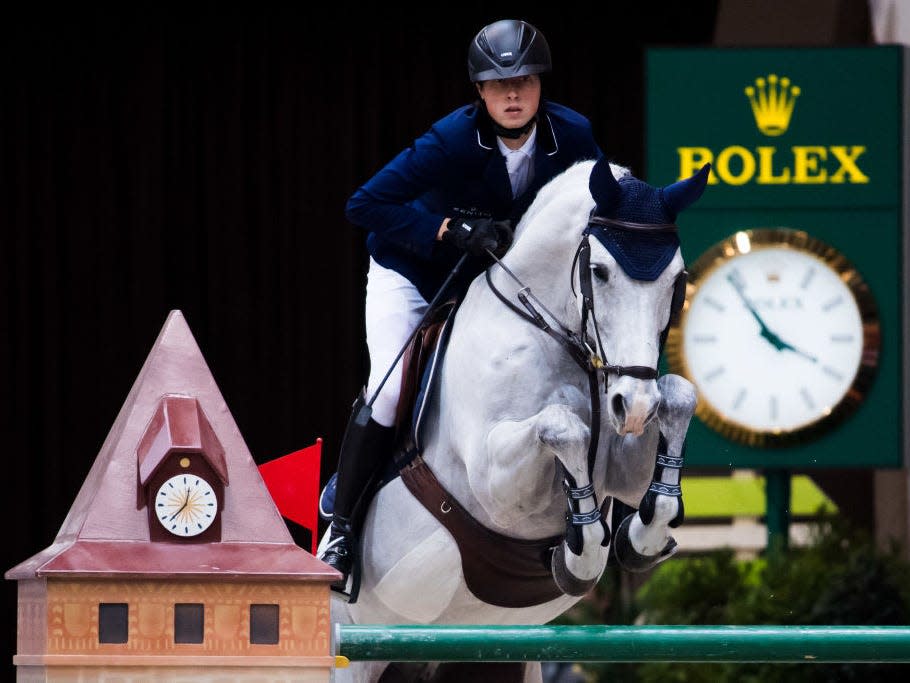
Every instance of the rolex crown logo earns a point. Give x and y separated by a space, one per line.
772 103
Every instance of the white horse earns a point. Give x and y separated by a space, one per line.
508 429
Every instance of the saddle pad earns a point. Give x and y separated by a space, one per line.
420 364
500 570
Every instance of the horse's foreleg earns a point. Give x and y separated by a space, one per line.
643 539
580 559
514 488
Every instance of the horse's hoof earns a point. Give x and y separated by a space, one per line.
565 580
629 558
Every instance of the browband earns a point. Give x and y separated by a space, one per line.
626 225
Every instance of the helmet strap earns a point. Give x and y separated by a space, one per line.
512 133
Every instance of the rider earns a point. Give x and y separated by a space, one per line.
455 189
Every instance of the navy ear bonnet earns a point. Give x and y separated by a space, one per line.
642 254
637 202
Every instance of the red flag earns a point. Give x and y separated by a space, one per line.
293 482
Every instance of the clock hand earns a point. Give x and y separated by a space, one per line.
182 507
766 332
799 352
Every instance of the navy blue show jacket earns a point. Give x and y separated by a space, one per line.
455 169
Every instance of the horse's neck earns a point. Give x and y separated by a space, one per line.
543 255
500 370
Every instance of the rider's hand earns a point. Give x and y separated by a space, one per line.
477 235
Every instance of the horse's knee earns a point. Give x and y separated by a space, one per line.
560 429
678 396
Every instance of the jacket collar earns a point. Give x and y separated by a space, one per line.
546 136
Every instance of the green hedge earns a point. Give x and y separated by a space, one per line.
840 578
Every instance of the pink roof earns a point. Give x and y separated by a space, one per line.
106 533
141 559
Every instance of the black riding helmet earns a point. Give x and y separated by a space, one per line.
506 49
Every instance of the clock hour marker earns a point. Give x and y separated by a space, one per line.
715 373
831 372
704 338
740 397
716 305
810 404
807 278
834 303
842 338
772 407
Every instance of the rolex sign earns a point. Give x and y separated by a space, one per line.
805 144
795 127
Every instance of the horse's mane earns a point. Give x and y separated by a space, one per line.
570 187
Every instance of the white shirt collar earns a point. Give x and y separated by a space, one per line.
527 148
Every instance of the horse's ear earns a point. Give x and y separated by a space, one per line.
603 186
683 193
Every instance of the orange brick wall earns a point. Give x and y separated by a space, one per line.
72 617
31 634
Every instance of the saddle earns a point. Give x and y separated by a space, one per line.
498 569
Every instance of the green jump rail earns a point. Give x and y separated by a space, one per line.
781 644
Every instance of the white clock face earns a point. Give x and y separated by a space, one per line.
773 339
186 505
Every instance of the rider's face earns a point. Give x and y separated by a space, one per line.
511 102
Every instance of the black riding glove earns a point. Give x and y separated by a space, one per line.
477 235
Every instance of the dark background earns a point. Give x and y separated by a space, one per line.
157 157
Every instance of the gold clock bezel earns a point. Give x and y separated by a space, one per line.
742 242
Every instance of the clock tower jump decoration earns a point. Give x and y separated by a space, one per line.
173 563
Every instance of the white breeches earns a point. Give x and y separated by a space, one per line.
393 309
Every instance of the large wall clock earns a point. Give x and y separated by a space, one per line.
780 335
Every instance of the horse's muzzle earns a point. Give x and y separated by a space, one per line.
632 404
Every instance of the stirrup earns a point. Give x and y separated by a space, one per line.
349 585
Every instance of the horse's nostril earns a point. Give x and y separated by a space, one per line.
618 405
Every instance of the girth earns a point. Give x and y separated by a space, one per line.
498 569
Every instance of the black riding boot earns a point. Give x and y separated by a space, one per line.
364 451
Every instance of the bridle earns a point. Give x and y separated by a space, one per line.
577 344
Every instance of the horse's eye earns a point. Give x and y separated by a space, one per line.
600 272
